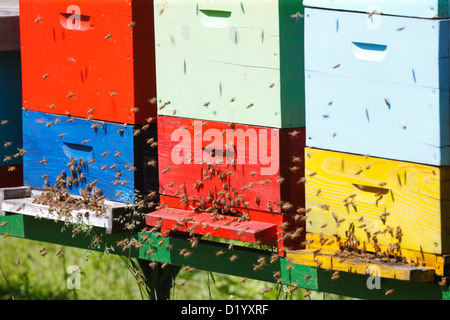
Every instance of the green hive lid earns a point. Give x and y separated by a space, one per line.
408 8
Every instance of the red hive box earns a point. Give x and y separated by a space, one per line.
84 57
239 170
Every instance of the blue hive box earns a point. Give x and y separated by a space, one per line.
115 155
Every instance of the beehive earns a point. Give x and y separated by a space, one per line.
114 155
379 202
372 88
231 61
235 169
83 55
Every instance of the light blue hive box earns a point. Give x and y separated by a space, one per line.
377 84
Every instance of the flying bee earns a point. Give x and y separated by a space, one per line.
335 276
11 168
137 132
297 16
59 252
294 133
388 292
4 122
43 161
250 105
62 135
358 172
233 258
7 144
337 66
104 167
372 13
104 154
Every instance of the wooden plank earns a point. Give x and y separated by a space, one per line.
24 202
227 227
119 153
60 50
9 25
211 256
362 58
13 193
439 263
360 286
422 9
252 55
387 202
355 264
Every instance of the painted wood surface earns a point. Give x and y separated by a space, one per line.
202 224
9 25
422 9
89 55
439 263
109 220
225 56
56 232
379 201
265 189
365 89
327 260
114 155
10 108
204 257
192 163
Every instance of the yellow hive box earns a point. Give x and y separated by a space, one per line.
377 202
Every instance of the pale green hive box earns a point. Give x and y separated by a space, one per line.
231 60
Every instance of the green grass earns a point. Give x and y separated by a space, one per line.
106 277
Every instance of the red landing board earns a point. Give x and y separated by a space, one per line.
201 223
79 55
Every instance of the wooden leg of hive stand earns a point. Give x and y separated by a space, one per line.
159 280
